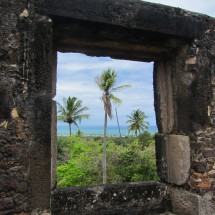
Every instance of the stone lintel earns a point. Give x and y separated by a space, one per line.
122 29
133 14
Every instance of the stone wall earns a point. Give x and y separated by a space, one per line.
182 46
184 102
14 129
122 199
25 108
202 178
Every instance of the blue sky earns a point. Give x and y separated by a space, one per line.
77 72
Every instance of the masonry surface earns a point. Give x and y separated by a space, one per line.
180 43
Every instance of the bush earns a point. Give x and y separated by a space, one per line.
63 149
82 164
145 139
137 165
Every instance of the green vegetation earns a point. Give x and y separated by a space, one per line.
80 159
107 84
71 111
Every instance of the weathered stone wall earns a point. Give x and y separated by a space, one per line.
202 142
14 130
122 199
182 46
25 108
184 102
202 173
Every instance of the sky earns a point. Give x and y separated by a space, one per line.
77 73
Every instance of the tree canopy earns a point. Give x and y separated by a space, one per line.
71 111
137 121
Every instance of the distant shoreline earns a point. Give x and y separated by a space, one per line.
112 131
97 135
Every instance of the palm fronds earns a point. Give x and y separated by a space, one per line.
137 121
71 111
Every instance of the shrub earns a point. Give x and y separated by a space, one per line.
81 160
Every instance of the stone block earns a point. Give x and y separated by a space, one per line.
173 158
199 166
118 199
187 203
163 96
209 153
6 203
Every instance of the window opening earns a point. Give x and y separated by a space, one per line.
80 156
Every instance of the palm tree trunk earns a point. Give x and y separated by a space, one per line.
120 136
70 129
104 163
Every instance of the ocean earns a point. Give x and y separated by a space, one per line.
63 130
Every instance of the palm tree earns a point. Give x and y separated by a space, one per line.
107 84
71 111
137 121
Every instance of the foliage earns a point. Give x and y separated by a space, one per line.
107 84
63 149
137 165
145 138
83 163
84 166
71 111
137 122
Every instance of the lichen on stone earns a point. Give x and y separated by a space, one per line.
24 13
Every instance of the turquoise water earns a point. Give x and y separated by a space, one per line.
63 130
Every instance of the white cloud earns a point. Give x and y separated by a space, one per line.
95 66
